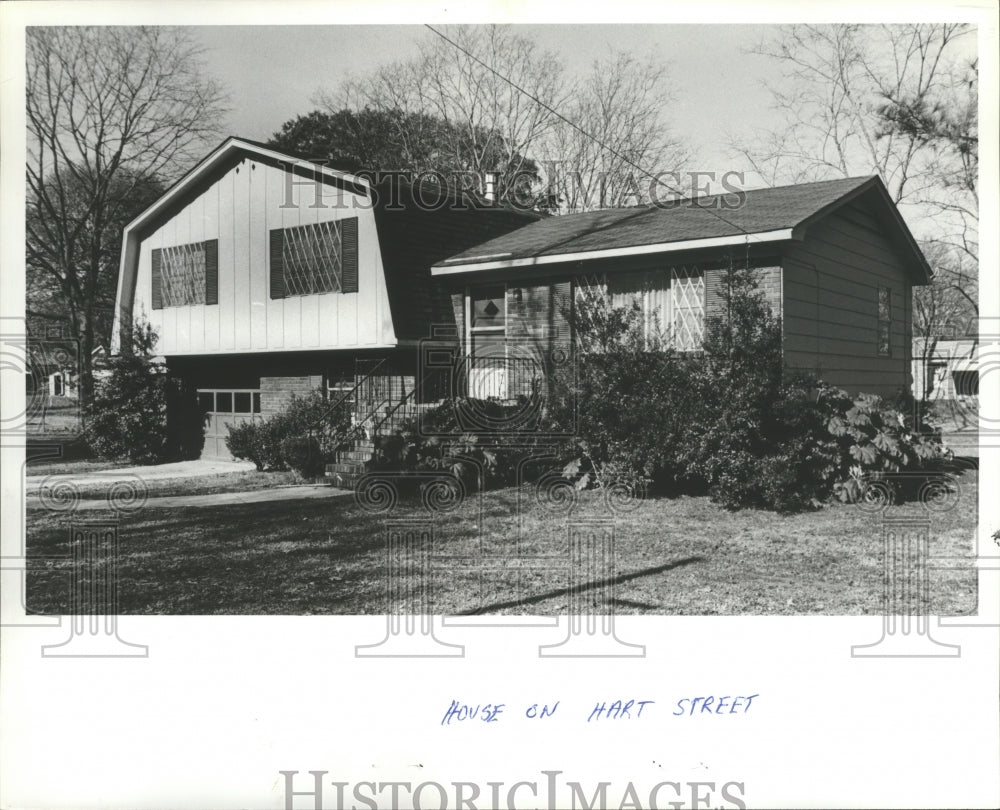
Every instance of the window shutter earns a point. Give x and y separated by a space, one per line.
157 277
277 263
458 308
349 254
715 303
212 271
562 299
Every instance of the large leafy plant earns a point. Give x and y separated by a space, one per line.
875 442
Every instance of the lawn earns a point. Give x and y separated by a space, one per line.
678 556
57 416
239 481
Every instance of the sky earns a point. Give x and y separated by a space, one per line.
273 72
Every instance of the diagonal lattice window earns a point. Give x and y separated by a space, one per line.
182 275
687 304
591 288
312 257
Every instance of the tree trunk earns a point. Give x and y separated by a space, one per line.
86 359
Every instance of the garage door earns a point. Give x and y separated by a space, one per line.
222 407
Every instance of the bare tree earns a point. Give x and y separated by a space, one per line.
112 113
945 120
892 100
836 78
490 126
624 140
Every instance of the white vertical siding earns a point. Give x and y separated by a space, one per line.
196 233
239 209
241 252
257 244
289 218
272 219
211 230
227 263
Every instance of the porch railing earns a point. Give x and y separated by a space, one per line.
503 378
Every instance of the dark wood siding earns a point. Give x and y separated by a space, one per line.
830 290
412 237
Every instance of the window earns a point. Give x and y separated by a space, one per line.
884 322
489 320
242 401
224 402
315 259
966 383
651 290
687 305
489 308
488 331
185 275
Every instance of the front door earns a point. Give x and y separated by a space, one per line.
221 408
488 339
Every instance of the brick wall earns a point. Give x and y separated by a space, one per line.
768 279
276 392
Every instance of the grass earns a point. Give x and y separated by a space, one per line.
681 556
57 416
242 481
45 467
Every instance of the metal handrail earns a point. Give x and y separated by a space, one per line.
353 393
389 414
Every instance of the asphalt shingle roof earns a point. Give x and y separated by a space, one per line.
766 209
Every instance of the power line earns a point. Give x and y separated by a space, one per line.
583 132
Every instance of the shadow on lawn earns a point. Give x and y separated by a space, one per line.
587 586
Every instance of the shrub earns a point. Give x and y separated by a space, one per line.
629 401
875 442
127 415
311 421
302 454
730 418
244 442
435 441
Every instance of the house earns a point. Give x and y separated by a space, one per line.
946 368
52 366
834 259
266 275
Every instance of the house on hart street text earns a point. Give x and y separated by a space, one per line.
256 296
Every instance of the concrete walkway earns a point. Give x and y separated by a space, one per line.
202 468
274 494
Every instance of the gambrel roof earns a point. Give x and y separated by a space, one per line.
765 215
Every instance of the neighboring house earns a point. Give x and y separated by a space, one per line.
266 276
834 259
99 365
949 371
53 369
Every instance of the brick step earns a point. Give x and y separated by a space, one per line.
349 467
364 445
343 480
362 455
